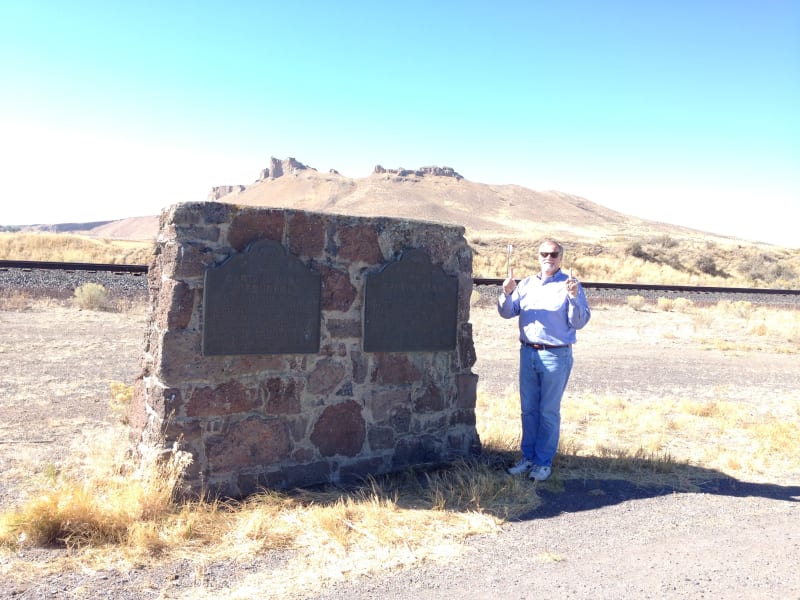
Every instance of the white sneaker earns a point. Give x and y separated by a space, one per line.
521 467
540 473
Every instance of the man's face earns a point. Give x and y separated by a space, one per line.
549 263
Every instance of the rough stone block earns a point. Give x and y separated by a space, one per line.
394 368
359 243
343 328
338 293
431 400
336 413
327 374
228 398
175 305
306 234
360 470
282 395
340 430
381 438
384 403
252 442
421 450
251 225
467 386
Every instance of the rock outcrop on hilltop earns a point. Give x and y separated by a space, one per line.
439 194
279 168
219 191
434 194
421 172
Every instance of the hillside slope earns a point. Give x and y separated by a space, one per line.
605 245
492 213
439 194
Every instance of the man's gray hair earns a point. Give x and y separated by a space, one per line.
554 243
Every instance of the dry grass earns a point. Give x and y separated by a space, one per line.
720 435
635 302
740 325
651 259
91 296
111 513
670 440
64 247
659 443
112 516
98 500
19 301
656 260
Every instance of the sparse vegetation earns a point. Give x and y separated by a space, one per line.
64 247
658 442
105 501
637 251
682 305
106 506
636 302
660 259
101 500
91 296
706 264
665 304
107 510
121 397
766 268
16 300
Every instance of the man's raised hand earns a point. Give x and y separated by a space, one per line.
509 285
572 285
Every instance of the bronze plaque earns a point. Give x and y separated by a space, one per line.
410 305
262 301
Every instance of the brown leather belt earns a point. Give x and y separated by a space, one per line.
542 346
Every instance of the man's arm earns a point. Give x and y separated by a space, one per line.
508 302
578 312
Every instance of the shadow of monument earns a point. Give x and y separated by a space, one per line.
568 492
578 483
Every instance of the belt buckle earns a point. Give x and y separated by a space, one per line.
535 346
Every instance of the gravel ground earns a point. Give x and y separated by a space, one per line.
53 283
595 539
666 546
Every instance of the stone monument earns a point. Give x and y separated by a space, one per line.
287 348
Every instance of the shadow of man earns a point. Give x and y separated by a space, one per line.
607 485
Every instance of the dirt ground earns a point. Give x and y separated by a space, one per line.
58 366
739 539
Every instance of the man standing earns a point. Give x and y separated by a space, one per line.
551 307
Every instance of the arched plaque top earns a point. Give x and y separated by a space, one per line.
263 300
410 305
414 255
261 252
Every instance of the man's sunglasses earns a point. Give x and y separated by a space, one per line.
550 254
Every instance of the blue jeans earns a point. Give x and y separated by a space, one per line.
543 376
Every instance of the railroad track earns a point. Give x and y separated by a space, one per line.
662 288
595 289
73 266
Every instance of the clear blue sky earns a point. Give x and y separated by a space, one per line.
685 111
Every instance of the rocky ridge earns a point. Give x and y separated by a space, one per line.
493 214
291 166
